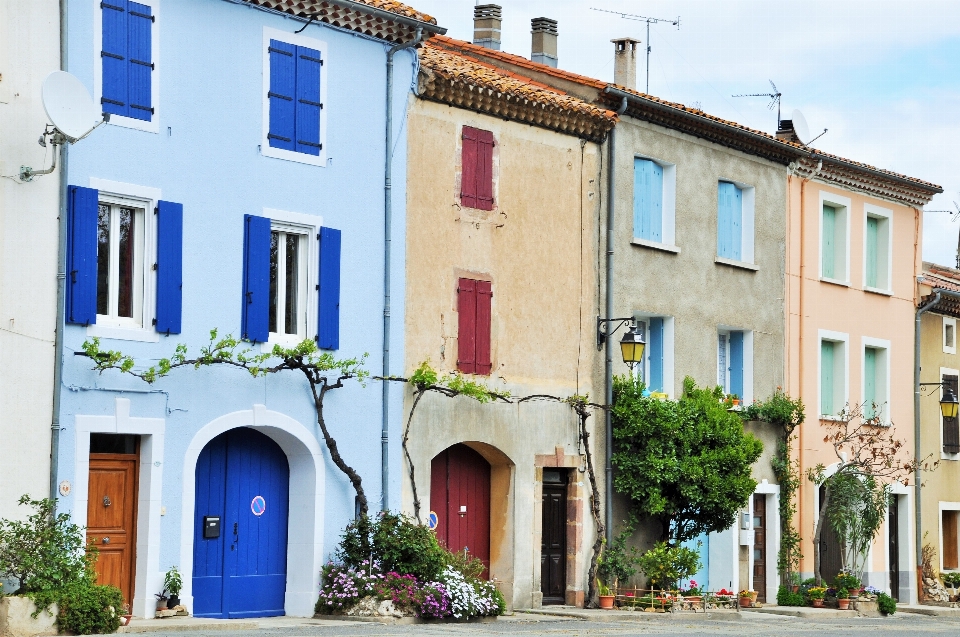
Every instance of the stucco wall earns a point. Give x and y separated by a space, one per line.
538 247
29 51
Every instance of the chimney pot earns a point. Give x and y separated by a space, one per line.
486 25
625 62
544 46
787 132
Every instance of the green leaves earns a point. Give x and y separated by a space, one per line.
425 378
664 565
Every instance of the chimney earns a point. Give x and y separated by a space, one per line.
486 26
786 132
625 62
544 49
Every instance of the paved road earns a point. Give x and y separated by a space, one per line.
526 626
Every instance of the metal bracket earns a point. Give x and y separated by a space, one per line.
602 337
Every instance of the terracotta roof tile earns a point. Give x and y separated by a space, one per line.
309 7
370 17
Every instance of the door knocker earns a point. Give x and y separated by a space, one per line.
106 501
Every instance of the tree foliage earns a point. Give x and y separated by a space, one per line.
686 463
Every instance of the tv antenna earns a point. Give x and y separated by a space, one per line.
73 115
649 21
954 215
774 99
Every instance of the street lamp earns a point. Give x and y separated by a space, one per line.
631 346
948 403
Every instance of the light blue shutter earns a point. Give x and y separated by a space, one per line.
169 267
328 323
648 200
655 346
826 378
736 364
872 228
283 89
308 100
869 381
255 315
139 58
113 57
81 284
829 242
729 221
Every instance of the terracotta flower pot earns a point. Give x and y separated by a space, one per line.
753 596
606 601
818 603
795 589
125 620
855 592
745 602
844 604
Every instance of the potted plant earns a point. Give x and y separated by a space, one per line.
793 581
843 598
606 595
746 598
173 582
616 564
849 582
126 616
161 599
816 595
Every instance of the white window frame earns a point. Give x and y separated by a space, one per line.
945 371
668 210
747 225
842 206
309 225
141 327
884 242
299 40
152 126
884 397
949 321
668 350
844 339
724 382
946 506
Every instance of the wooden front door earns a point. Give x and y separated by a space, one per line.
760 546
553 538
460 496
831 553
112 518
893 548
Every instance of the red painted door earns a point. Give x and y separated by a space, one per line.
460 496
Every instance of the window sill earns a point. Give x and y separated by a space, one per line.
123 333
151 126
288 341
743 265
831 418
291 155
845 284
949 456
878 291
644 243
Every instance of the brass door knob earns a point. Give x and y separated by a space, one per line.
106 540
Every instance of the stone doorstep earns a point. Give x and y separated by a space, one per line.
598 615
932 611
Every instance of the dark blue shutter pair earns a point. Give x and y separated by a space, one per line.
81 283
125 54
736 364
255 313
294 98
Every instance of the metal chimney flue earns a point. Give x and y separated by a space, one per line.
625 62
544 44
486 25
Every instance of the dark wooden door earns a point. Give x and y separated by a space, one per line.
460 496
760 546
553 538
112 518
893 548
831 555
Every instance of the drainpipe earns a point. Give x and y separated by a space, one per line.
61 282
387 229
608 363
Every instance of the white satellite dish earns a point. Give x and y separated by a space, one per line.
68 105
800 126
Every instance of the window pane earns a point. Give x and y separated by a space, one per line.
125 274
829 241
872 228
869 382
274 281
293 280
103 259
826 378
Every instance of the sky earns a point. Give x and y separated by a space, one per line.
882 76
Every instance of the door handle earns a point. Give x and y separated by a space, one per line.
106 501
106 540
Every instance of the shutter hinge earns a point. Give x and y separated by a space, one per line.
156 266
318 236
154 321
142 108
142 63
156 210
317 287
144 15
106 54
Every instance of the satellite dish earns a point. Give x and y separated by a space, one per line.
800 127
68 105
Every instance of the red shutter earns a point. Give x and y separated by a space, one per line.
467 332
485 170
469 164
484 297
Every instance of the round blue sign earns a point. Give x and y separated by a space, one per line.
432 520
258 505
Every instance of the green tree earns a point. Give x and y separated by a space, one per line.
685 463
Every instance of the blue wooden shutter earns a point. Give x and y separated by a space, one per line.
729 221
328 317
283 89
81 284
169 267
254 321
869 381
648 200
826 378
655 347
873 225
736 364
113 57
139 59
828 267
308 101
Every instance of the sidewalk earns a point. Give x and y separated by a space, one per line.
196 624
597 615
932 611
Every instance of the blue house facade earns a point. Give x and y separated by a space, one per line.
238 186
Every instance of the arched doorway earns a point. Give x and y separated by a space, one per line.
831 553
240 526
460 496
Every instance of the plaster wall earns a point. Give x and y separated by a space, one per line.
814 305
538 246
29 212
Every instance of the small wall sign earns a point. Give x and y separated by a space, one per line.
432 520
65 488
258 505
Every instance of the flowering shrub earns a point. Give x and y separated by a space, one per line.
468 598
342 586
434 601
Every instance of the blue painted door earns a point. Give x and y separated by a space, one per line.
243 479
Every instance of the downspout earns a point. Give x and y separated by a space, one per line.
61 285
608 363
387 229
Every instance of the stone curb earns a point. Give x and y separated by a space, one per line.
161 625
597 615
930 611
